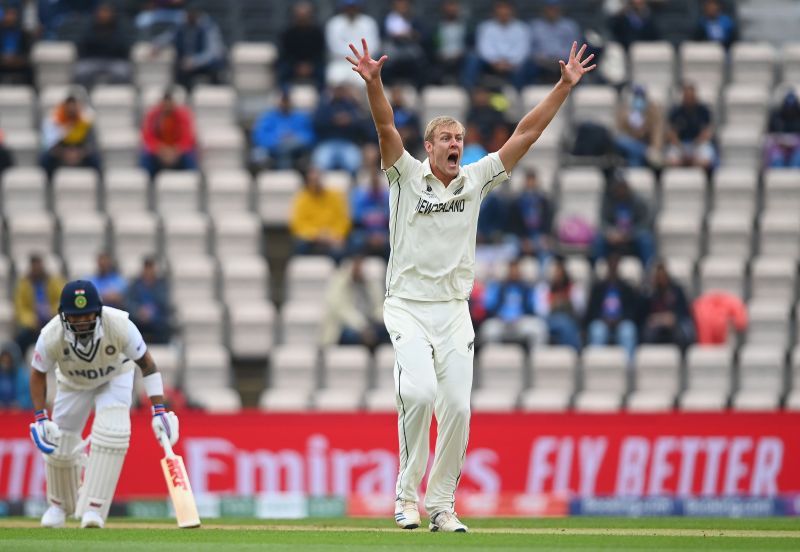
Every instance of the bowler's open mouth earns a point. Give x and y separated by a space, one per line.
452 160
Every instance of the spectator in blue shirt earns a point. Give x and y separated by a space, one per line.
341 127
199 49
613 310
716 26
110 284
15 45
550 36
531 219
14 390
282 136
369 205
148 304
511 311
406 120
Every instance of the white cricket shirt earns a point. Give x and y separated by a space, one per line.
89 366
433 228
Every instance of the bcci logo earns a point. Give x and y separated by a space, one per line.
80 298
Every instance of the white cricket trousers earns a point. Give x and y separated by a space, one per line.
71 407
433 344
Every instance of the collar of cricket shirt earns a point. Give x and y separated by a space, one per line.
437 186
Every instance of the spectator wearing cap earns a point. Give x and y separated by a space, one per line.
690 133
501 46
551 35
634 23
625 223
168 137
302 48
783 141
347 27
640 129
716 26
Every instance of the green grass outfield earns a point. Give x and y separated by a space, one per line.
678 534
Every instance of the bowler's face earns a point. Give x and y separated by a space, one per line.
445 150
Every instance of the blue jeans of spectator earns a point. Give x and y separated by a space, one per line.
642 242
151 162
624 335
475 68
564 330
635 151
337 154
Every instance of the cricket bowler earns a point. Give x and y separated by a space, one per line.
434 206
93 350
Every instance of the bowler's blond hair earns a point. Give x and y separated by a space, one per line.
437 122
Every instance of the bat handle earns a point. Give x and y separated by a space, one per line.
166 445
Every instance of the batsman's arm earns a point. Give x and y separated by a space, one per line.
38 385
153 383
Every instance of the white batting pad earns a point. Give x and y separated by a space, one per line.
62 470
111 433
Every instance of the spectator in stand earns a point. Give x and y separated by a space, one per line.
561 302
354 308
36 299
716 26
168 137
406 120
448 44
15 48
551 35
282 136
612 312
14 389
302 48
501 48
319 220
104 50
148 303
690 133
640 129
402 42
625 223
349 26
369 204
531 220
666 316
511 313
715 314
783 141
486 119
474 150
634 23
493 220
53 13
199 49
341 127
110 284
68 137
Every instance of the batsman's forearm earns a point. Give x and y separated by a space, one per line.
537 119
38 385
379 106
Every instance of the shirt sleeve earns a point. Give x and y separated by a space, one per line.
41 360
401 168
489 173
135 347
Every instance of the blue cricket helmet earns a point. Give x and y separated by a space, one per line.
80 297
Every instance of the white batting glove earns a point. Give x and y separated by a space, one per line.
45 433
165 423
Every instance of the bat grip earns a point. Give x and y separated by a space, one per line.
165 444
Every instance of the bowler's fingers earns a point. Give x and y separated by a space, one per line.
587 60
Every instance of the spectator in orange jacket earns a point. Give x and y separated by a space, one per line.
714 313
168 137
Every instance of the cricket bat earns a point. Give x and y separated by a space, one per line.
180 491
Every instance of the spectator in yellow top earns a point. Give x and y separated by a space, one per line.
319 221
36 298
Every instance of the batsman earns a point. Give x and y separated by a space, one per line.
93 349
